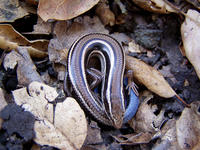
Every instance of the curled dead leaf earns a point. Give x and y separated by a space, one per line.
190 32
66 130
11 39
149 77
63 10
145 119
158 6
188 127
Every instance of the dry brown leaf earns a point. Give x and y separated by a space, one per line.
168 137
133 139
56 52
11 10
11 39
133 47
94 134
63 9
66 33
66 130
188 127
149 77
105 14
190 32
158 6
42 27
145 119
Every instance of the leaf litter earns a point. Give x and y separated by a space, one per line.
157 124
67 130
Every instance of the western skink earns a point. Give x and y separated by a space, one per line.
110 107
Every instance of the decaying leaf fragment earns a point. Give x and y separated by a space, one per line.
26 69
158 6
188 127
63 9
105 14
66 130
10 60
149 77
145 119
190 32
168 137
133 139
11 10
10 39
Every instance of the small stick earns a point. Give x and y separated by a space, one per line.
187 105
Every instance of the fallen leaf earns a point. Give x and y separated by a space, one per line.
94 134
66 33
133 139
149 77
11 39
190 32
105 14
42 27
56 52
168 138
66 130
157 6
188 127
11 10
10 60
145 119
26 70
135 48
63 9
